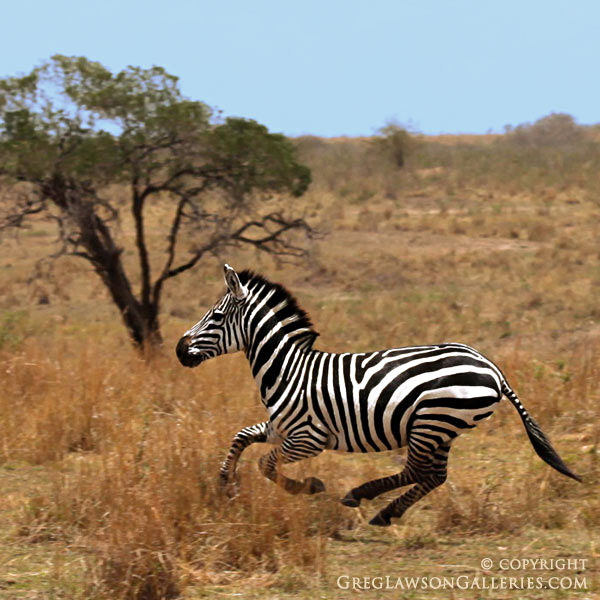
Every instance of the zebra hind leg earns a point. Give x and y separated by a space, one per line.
419 461
369 490
427 480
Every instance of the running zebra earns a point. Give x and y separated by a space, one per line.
422 397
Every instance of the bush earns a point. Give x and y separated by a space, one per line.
397 143
556 130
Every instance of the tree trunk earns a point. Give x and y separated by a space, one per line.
140 319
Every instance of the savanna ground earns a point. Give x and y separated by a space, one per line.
109 462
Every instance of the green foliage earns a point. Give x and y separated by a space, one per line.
73 116
255 159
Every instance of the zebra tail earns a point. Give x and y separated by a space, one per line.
541 444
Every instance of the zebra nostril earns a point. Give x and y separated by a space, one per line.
182 347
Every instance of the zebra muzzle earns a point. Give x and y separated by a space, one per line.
185 356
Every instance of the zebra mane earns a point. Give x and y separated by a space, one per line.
280 294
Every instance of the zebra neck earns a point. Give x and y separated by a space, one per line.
273 351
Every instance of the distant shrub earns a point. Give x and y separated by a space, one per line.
556 130
310 145
397 142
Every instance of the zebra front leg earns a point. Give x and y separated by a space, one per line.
426 481
259 433
291 450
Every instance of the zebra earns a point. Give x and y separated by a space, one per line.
421 397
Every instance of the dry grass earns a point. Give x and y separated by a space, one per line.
114 459
136 448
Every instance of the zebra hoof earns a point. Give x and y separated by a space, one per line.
380 521
350 500
312 485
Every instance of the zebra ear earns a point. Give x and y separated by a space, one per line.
233 283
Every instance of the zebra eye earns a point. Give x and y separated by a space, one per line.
218 316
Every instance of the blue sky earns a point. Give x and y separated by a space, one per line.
331 67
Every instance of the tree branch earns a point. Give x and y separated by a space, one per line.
137 209
272 241
27 204
171 246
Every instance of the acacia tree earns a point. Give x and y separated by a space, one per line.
398 142
71 127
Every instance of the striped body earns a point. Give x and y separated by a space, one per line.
422 397
369 402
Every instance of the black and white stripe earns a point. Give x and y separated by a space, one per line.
421 397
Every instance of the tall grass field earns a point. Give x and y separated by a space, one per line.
109 460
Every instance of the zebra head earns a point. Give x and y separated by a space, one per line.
219 330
